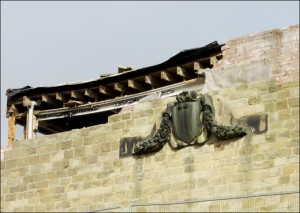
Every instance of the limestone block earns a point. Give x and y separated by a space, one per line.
283 94
140 121
51 147
293 159
293 102
268 97
295 151
57 156
11 164
44 158
289 169
105 147
291 84
39 177
119 125
115 135
9 154
31 151
22 162
42 184
33 160
84 132
126 116
275 88
98 198
281 104
62 205
68 154
114 118
78 178
79 152
71 172
129 123
295 133
92 159
254 100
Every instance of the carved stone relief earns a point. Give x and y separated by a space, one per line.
187 121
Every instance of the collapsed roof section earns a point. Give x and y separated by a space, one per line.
65 107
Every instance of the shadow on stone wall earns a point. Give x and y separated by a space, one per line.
255 124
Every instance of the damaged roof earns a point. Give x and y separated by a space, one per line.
182 57
82 104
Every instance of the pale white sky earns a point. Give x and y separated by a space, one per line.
49 43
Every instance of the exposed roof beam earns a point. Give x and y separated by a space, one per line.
119 102
90 93
78 95
184 73
61 97
167 77
197 66
108 91
149 79
11 110
72 103
50 100
213 60
121 88
136 85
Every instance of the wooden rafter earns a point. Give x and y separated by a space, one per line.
108 91
50 100
213 60
90 93
184 73
167 77
150 79
197 66
61 97
121 88
72 103
78 95
136 85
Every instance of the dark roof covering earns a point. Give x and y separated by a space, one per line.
184 56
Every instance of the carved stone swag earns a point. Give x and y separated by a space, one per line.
188 121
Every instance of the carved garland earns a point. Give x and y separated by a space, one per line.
184 100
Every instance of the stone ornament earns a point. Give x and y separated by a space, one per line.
188 121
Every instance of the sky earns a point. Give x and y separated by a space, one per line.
47 43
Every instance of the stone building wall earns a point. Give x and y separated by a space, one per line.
86 169
277 48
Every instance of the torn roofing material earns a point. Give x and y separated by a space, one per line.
180 58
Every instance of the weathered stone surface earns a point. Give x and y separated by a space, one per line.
81 170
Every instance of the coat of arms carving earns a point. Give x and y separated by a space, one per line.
188 121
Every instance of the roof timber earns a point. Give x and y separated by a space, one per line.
61 97
200 55
167 76
113 104
137 85
109 94
108 91
78 95
153 81
186 74
91 93
51 100
123 88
